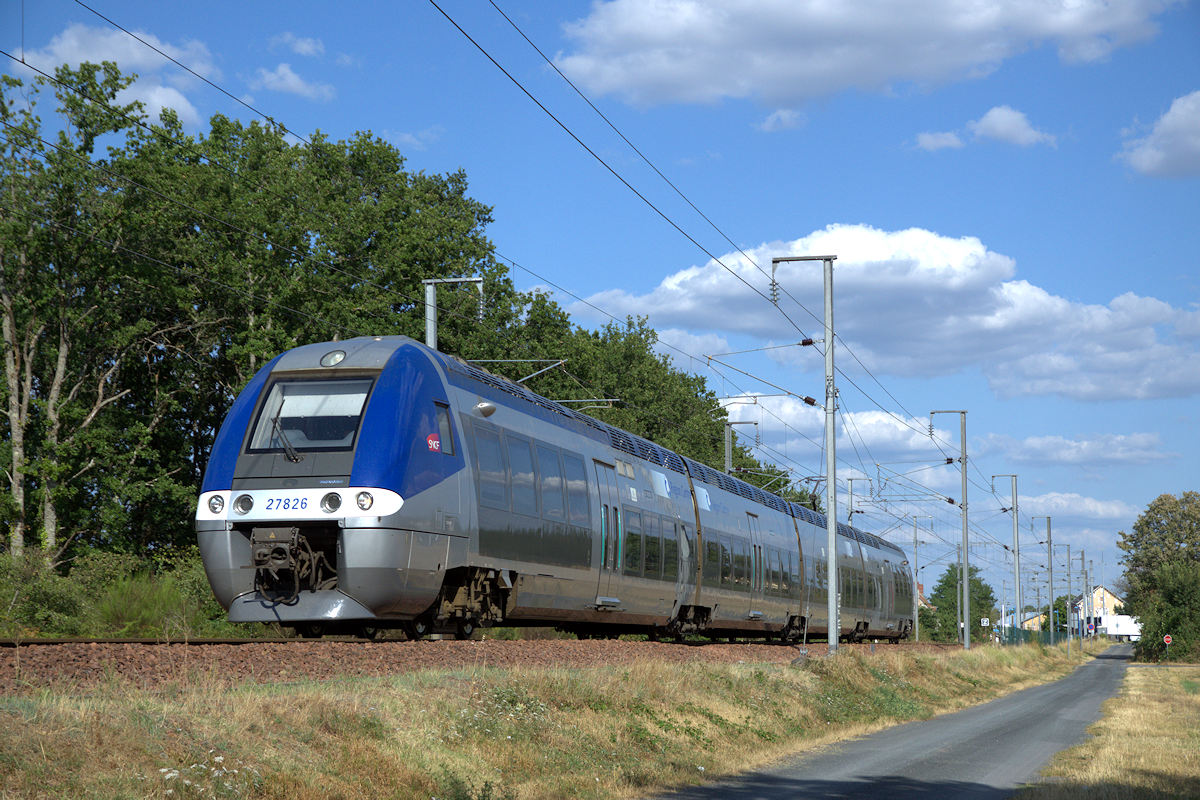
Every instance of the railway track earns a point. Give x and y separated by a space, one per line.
78 664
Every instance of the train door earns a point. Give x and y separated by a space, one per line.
607 595
756 568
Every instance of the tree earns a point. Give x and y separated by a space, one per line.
1167 531
941 622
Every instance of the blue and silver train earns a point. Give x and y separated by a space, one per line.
376 483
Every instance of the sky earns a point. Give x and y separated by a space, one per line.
1012 191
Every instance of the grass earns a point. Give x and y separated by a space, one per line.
1147 745
482 733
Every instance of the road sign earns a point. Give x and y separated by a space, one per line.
1167 640
984 622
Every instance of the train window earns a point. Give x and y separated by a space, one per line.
632 561
550 483
653 547
726 563
775 571
670 550
712 563
577 491
741 565
788 578
310 415
445 432
493 477
520 462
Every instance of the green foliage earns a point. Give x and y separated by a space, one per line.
1172 608
37 601
1168 530
940 624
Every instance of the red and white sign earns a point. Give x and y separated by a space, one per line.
434 442
1167 639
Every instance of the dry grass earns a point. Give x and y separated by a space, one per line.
480 734
1147 745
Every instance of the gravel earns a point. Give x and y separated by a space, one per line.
81 665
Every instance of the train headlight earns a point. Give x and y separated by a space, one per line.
365 500
243 504
216 504
331 502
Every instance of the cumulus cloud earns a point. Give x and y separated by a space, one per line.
781 120
415 141
938 141
917 304
1006 124
784 52
1172 149
284 79
1106 449
299 45
1072 505
80 43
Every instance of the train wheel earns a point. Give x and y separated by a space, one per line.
311 630
369 632
417 629
464 629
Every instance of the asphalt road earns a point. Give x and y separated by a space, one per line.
982 753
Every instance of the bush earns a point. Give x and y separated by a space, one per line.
1173 608
37 601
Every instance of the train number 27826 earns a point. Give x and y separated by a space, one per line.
287 503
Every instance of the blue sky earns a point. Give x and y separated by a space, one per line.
1012 190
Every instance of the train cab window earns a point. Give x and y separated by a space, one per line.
577 490
550 483
632 559
301 416
445 432
653 544
493 475
670 550
520 462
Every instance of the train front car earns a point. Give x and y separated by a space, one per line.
323 502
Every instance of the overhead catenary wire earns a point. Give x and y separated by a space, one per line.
412 300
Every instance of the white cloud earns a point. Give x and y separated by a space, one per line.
938 141
1090 451
1173 147
1006 124
79 43
299 45
284 79
784 52
914 303
781 120
415 141
1070 504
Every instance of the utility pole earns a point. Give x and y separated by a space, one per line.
964 559
1092 596
431 305
916 588
833 604
852 512
1016 540
729 444
1070 600
1050 572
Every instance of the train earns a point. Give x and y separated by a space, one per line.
375 484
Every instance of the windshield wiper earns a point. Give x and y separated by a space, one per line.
293 455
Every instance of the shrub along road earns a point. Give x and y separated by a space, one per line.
982 753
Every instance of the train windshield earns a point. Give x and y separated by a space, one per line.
310 415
